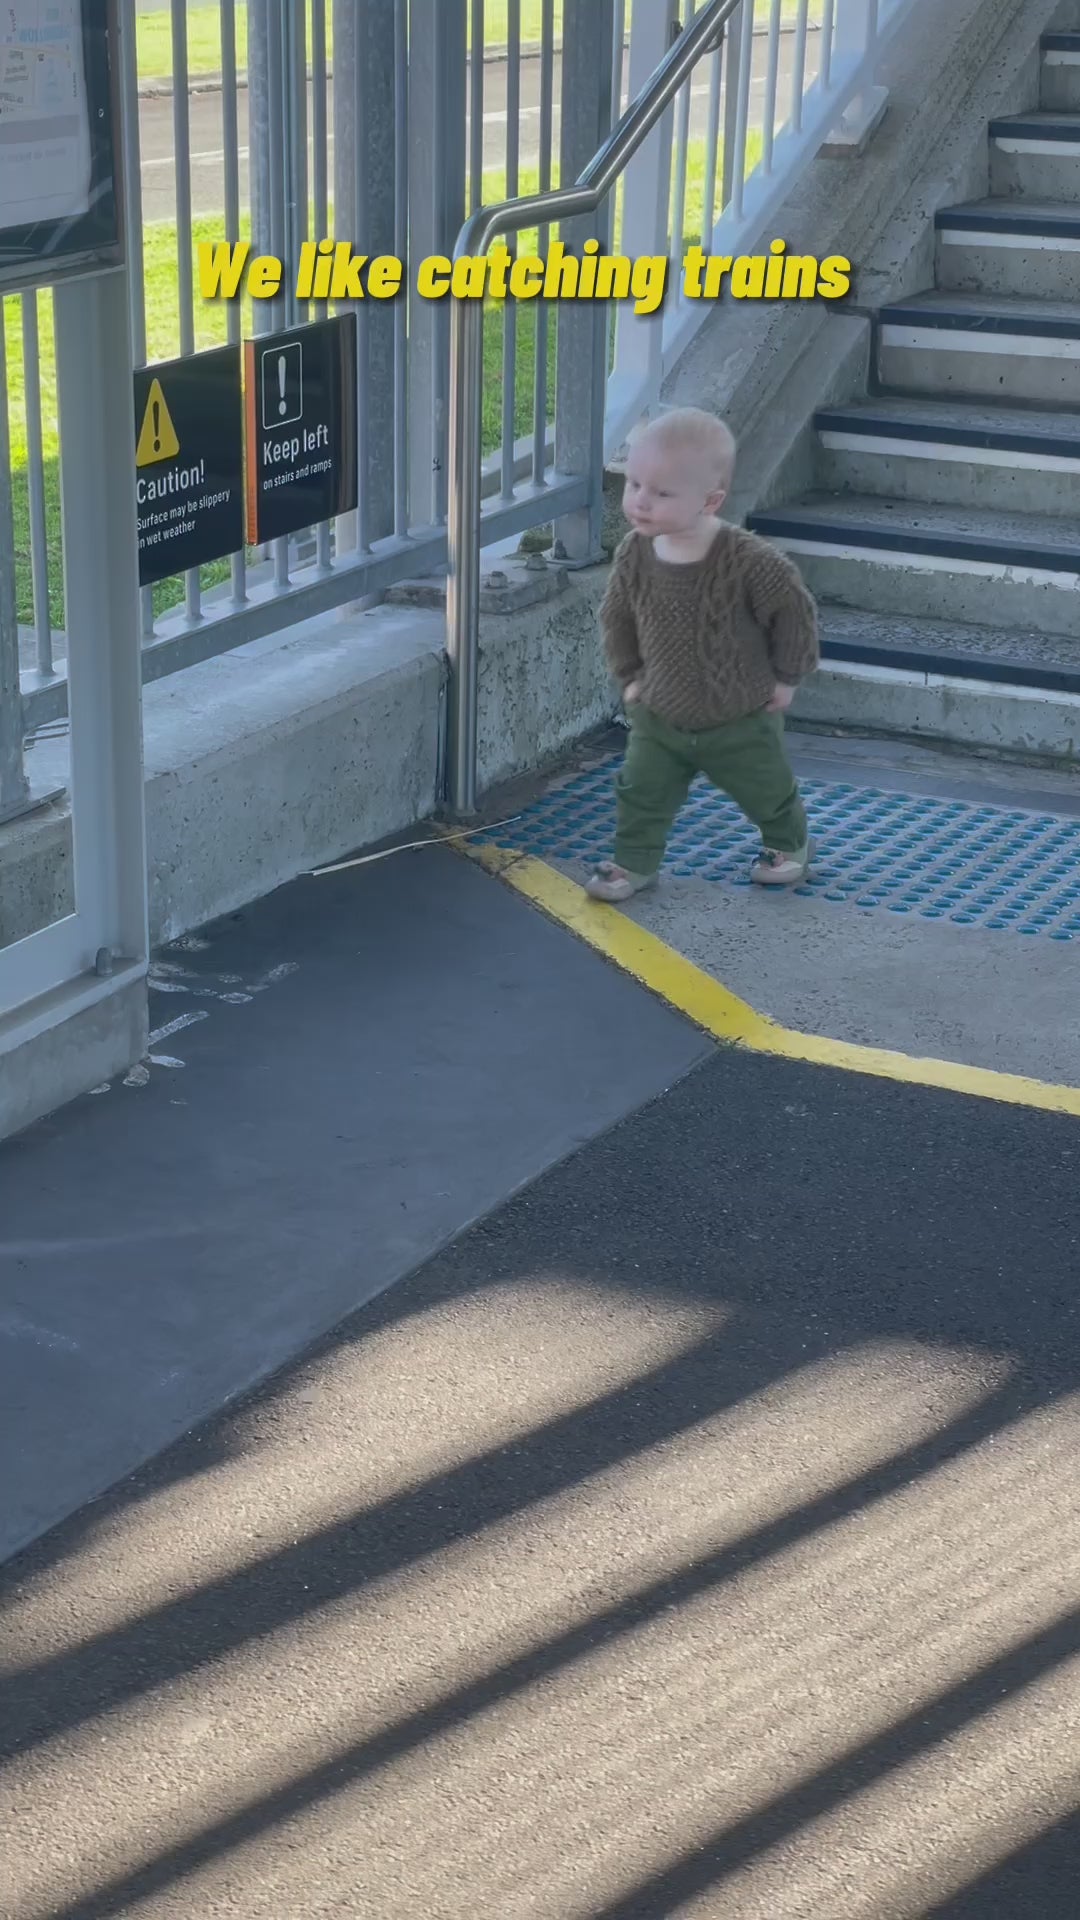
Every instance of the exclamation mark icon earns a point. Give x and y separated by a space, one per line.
283 405
157 426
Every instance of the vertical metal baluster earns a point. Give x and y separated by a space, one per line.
14 786
772 75
320 148
798 66
712 145
279 94
543 241
618 53
452 165
297 210
513 146
401 248
320 145
742 111
39 532
185 284
296 157
476 106
230 142
828 21
361 198
132 173
682 154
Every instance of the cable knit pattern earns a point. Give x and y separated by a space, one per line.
708 641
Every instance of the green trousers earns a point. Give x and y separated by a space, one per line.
745 759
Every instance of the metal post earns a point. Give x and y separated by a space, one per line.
855 38
14 786
258 65
733 52
463 537
364 210
101 587
639 342
581 366
437 169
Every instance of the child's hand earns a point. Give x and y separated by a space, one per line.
632 692
782 698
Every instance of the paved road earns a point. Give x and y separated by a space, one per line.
157 142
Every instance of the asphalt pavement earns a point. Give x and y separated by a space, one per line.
698 1535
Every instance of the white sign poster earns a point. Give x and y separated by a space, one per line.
45 152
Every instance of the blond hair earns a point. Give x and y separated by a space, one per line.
692 432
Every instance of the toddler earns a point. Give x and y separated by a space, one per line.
708 630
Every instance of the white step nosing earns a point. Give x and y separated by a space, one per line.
928 449
961 683
1026 144
1061 56
912 561
956 339
999 237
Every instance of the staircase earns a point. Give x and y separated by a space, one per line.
943 534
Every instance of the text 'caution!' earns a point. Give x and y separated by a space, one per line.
301 427
189 462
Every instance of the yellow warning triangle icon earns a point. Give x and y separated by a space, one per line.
157 435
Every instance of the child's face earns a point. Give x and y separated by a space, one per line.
667 493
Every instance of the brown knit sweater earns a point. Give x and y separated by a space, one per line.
708 640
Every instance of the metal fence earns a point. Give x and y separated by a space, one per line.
389 124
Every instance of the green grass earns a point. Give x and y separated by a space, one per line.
211 329
154 33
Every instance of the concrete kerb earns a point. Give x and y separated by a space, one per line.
726 1018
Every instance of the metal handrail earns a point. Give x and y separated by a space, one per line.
466 373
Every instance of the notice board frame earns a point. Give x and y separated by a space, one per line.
48 251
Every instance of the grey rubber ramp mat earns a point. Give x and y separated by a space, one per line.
370 1061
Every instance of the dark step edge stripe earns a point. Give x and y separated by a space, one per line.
939 546
870 425
1034 130
955 220
959 320
1061 42
959 666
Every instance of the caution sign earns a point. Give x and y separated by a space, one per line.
300 390
157 438
189 462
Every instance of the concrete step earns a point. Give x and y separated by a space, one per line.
1036 156
1000 247
953 452
1014 656
980 347
933 562
1059 80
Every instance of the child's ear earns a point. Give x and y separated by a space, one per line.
716 500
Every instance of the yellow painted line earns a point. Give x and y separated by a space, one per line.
722 1014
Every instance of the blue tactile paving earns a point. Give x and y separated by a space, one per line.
898 853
